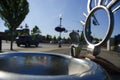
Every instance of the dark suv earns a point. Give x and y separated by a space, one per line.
27 41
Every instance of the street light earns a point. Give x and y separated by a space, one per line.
60 16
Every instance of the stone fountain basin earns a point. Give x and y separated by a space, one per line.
47 66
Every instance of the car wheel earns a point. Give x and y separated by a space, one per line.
26 45
18 45
36 45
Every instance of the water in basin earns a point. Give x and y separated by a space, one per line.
40 64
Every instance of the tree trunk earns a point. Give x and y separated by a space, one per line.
12 36
0 44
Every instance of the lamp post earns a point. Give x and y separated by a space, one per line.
60 16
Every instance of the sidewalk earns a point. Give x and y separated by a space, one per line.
111 56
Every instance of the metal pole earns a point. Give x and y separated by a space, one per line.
60 32
108 45
89 31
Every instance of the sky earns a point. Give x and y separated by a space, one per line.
45 14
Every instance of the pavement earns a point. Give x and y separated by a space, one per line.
111 56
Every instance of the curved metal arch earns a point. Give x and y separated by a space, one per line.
94 47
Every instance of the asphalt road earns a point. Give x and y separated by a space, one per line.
41 48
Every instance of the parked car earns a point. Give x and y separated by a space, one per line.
27 41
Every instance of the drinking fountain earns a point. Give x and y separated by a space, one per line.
47 66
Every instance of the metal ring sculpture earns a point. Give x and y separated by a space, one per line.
110 26
95 48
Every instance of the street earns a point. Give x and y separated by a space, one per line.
43 47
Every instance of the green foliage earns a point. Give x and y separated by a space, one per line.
13 12
68 40
48 37
54 38
59 38
35 31
82 36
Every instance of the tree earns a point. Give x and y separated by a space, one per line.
13 12
35 31
59 38
48 37
64 39
82 36
68 40
54 38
